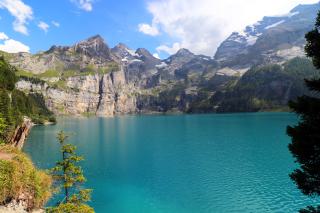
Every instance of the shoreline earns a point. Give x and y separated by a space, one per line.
21 133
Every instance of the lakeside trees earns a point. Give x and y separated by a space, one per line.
305 145
15 104
70 175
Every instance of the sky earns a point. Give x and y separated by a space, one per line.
161 26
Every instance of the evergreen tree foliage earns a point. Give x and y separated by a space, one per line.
70 175
305 145
15 104
3 127
7 75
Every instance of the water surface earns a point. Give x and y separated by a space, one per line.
180 164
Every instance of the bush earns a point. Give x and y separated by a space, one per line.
71 208
19 179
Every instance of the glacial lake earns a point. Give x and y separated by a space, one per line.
180 163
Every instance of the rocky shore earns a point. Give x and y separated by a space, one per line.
21 133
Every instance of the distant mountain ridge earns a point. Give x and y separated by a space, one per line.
89 77
271 40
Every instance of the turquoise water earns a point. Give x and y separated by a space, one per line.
180 164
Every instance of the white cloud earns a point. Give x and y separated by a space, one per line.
85 5
22 13
151 30
12 46
3 36
43 26
201 25
55 23
170 50
156 55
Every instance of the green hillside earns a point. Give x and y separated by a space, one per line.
15 104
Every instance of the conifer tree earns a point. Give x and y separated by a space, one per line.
305 145
71 176
3 127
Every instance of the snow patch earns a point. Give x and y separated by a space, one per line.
231 71
135 60
205 58
288 15
293 14
132 52
162 65
274 25
125 59
251 40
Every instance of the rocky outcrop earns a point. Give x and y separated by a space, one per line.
101 94
18 207
21 133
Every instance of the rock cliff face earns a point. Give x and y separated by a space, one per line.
104 95
21 133
18 207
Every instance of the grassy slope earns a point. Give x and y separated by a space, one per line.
19 177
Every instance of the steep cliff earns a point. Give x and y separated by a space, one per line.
101 94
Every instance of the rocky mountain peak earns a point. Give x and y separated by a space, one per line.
122 52
147 57
121 46
57 49
184 53
93 47
95 38
142 52
182 56
304 7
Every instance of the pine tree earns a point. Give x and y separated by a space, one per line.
3 127
305 145
71 176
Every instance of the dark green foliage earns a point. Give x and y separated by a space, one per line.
262 88
15 104
7 75
70 175
31 105
3 127
267 88
5 105
33 80
70 208
310 209
305 145
313 43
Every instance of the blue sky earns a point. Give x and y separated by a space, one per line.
161 26
111 19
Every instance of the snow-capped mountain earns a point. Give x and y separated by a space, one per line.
271 40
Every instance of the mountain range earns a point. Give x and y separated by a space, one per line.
259 68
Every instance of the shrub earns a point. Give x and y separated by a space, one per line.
19 179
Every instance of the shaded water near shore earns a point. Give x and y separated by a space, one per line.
184 163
